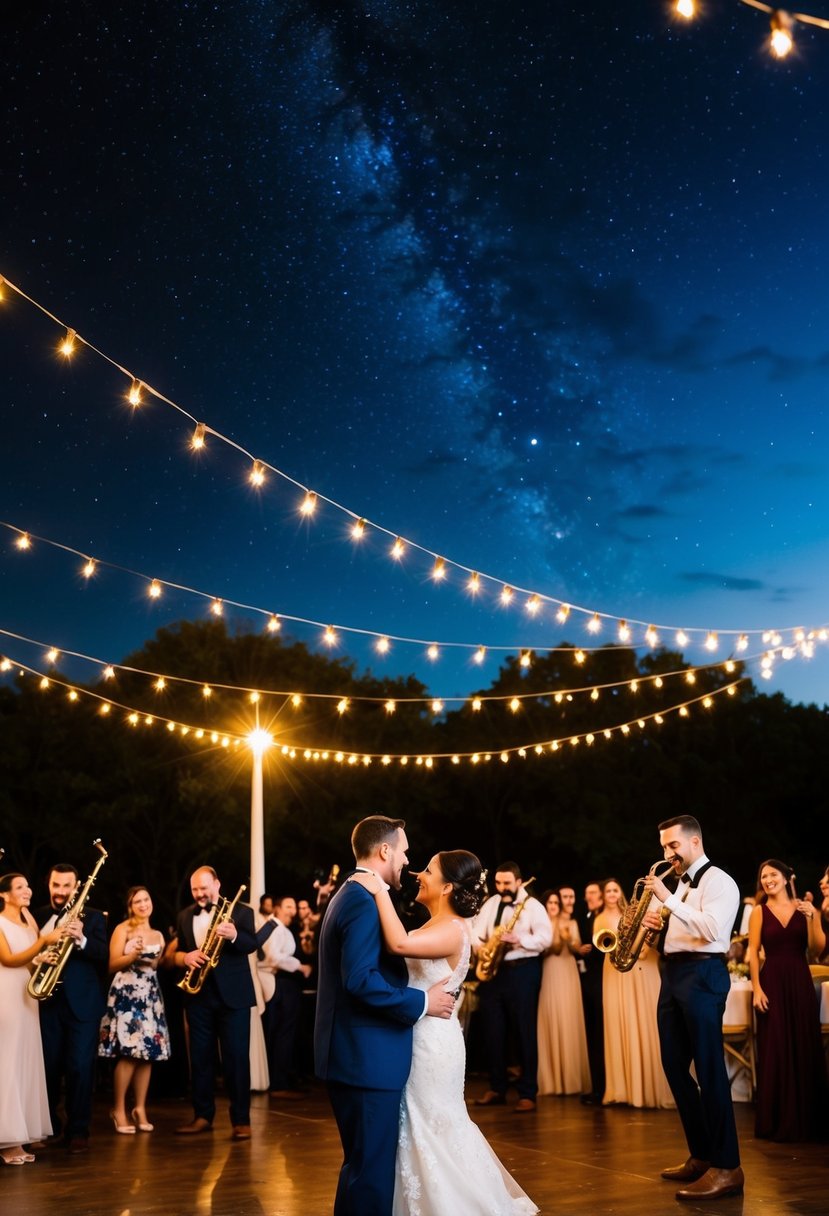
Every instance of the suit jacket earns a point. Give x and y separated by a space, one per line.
594 961
82 982
231 978
365 1009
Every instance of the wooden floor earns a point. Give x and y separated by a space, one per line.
570 1158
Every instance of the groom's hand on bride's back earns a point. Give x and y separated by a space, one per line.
440 1003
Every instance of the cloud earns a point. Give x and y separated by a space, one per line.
780 367
723 582
642 511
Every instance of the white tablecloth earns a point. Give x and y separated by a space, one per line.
738 1012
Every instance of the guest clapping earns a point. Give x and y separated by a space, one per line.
134 1026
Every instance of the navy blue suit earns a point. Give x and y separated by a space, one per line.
363 1047
221 1010
70 1020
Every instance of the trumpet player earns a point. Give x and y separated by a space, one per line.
509 1000
220 1009
695 984
70 1017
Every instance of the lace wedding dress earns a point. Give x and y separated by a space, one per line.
445 1166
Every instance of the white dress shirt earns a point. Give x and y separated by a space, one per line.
533 928
279 955
701 920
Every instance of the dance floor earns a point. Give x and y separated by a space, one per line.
570 1158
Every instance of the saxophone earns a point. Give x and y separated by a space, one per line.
624 945
492 951
46 976
195 976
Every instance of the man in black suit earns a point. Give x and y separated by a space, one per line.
220 1010
70 1018
591 966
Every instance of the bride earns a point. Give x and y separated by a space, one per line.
444 1163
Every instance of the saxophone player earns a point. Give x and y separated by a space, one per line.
509 1000
218 1009
70 1017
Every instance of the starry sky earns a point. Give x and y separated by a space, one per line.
539 287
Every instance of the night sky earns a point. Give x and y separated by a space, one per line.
540 287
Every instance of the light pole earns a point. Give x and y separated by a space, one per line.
258 740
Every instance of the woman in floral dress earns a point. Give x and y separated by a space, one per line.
134 1027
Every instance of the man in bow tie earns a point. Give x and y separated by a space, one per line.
509 1000
220 1010
695 984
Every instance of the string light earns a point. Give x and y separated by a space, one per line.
199 434
257 474
23 541
382 645
439 570
88 568
217 608
479 655
274 625
134 398
562 609
398 549
330 636
594 625
67 346
358 531
474 583
155 589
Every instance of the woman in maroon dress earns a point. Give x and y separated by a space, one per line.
791 1070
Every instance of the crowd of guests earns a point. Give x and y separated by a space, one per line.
553 1016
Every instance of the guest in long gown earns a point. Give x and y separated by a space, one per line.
563 1066
633 1064
134 1026
791 1070
24 1104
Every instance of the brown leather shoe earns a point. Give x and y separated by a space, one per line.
491 1098
241 1132
524 1105
689 1171
714 1184
194 1127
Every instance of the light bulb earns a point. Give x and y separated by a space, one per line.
109 672
398 549
479 655
257 474
515 705
437 706
711 641
358 530
342 706
309 503
160 684
624 631
525 659
330 635
88 568
433 652
686 9
67 346
439 570
476 704
781 40
134 394
155 589
473 583
390 707
533 604
382 645
594 625
274 624
23 541
506 594
217 607
563 613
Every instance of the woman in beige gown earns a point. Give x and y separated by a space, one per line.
563 1066
633 1066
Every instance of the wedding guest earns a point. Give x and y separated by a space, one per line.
134 1025
562 1044
24 1103
282 975
791 1070
71 1017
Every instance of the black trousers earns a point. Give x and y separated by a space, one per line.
210 1020
70 1051
689 1015
509 1011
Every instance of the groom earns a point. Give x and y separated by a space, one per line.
363 1031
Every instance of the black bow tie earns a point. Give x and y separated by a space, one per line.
206 908
685 878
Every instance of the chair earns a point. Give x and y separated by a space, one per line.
738 1044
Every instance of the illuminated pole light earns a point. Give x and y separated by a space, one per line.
358 530
257 474
199 436
67 346
634 686
382 645
309 504
259 741
23 541
439 570
88 568
155 589
134 394
686 9
398 549
781 41
274 624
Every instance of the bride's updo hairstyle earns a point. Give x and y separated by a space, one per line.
468 880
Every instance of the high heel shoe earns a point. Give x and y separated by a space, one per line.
122 1129
16 1158
142 1127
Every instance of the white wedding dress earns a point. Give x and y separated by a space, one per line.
445 1166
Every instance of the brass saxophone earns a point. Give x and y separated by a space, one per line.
195 976
492 951
46 976
624 945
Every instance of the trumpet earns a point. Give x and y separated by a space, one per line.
624 945
46 976
195 976
493 950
